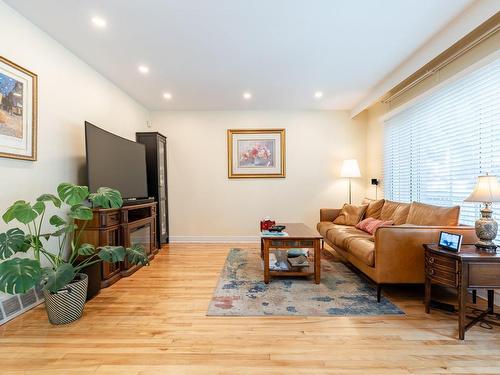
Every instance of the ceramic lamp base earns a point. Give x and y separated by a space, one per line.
486 230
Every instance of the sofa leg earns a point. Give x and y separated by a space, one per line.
379 292
474 296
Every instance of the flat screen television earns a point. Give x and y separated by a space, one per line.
115 162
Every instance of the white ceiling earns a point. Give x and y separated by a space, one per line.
208 52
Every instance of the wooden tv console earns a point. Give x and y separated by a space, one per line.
123 226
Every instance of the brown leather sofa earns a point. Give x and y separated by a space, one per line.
394 254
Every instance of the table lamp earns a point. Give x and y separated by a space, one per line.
487 190
350 169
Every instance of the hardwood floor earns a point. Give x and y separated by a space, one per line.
154 323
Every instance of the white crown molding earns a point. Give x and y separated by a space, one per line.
477 13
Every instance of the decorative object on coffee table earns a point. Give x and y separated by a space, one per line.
299 235
467 269
487 190
256 153
350 169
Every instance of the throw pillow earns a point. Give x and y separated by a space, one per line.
375 224
350 214
374 207
362 225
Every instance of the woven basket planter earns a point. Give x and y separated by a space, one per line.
66 305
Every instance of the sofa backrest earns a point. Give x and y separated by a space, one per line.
427 214
395 211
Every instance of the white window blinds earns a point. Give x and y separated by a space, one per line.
435 149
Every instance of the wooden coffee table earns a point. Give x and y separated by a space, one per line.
299 236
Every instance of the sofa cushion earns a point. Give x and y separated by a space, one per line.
362 248
427 214
374 207
340 233
350 214
324 226
395 211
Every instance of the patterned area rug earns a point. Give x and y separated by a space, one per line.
241 291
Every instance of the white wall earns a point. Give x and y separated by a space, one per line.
69 93
206 205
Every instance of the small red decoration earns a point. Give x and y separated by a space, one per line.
266 224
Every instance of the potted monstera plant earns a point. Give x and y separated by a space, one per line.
49 255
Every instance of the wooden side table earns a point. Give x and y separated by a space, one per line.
301 236
467 269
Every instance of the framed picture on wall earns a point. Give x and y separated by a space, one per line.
18 111
256 153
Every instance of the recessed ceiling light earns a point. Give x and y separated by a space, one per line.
167 95
318 94
143 69
247 95
99 22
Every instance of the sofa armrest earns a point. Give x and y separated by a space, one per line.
328 214
399 251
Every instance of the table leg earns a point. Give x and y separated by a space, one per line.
491 301
428 287
317 262
266 261
462 303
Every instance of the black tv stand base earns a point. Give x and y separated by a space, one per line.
133 202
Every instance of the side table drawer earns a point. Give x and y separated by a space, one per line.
441 276
484 274
438 261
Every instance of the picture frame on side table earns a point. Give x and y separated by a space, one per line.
256 153
18 111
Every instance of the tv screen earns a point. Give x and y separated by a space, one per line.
115 162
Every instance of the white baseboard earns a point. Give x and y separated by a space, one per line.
213 239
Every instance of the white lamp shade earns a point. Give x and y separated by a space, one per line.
350 168
487 190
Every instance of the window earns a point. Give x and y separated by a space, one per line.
435 149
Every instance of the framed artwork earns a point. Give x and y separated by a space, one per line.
256 153
18 111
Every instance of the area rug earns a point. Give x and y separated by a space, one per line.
241 291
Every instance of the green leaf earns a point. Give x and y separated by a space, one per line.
81 212
57 278
11 242
19 275
111 254
39 207
137 255
33 241
72 194
66 229
56 221
49 198
20 211
86 249
107 198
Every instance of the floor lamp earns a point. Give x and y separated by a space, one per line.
350 169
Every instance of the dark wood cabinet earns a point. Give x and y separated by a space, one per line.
156 163
123 226
468 269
